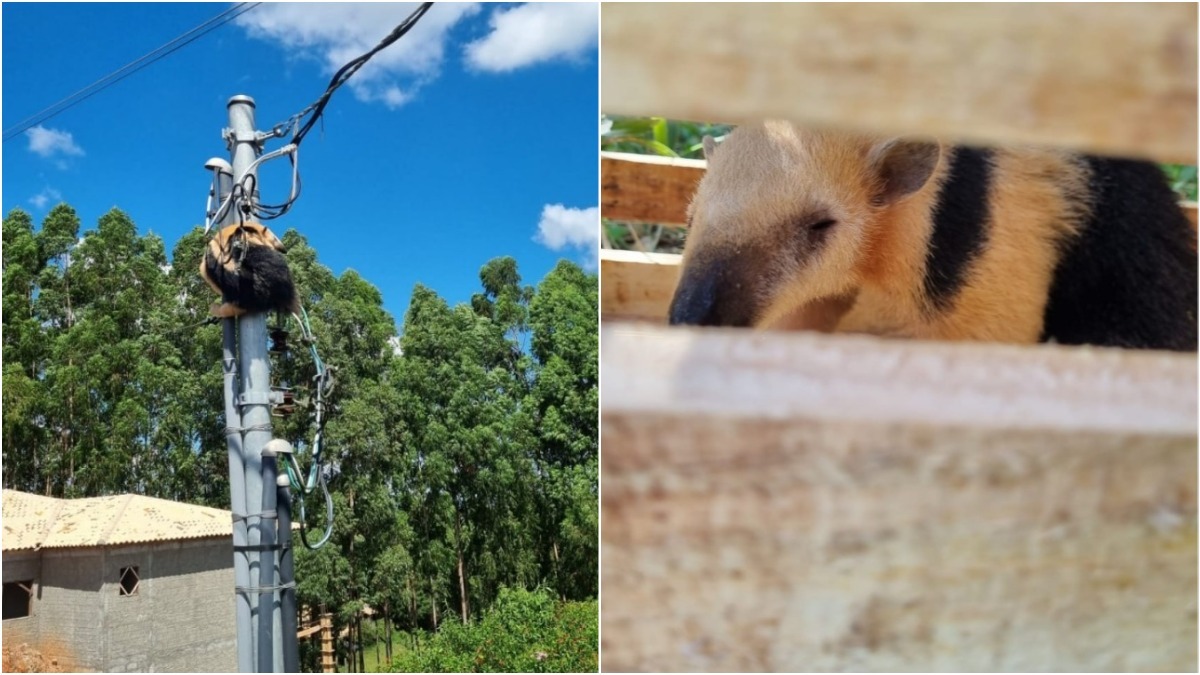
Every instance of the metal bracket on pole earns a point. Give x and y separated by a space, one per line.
257 398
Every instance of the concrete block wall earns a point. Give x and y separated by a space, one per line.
181 619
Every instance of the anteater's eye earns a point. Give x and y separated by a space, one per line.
822 224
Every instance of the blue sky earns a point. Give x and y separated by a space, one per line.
472 137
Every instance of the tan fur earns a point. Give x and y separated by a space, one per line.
220 249
868 277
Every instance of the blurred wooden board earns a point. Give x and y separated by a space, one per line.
647 188
813 503
640 286
1114 78
637 285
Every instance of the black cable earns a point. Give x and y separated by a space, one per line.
130 68
316 109
347 71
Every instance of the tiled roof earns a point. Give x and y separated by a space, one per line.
32 521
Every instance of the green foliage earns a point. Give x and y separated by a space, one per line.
1183 180
660 136
461 463
524 631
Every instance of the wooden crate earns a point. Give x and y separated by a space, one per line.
776 501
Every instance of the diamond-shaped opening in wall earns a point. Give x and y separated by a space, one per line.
129 580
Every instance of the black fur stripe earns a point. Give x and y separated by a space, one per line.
960 225
1129 279
224 277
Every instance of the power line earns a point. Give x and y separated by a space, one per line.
313 112
131 68
347 71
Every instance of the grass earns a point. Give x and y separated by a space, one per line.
379 664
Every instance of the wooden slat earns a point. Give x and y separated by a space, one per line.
647 188
788 502
641 188
637 285
1112 78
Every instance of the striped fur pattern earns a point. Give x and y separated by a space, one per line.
800 229
245 264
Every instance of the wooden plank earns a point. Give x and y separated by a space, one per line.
645 188
1114 78
642 188
637 285
783 502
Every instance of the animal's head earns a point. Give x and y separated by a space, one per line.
785 219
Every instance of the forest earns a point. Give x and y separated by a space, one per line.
461 451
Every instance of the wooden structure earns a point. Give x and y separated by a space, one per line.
328 662
778 501
1120 79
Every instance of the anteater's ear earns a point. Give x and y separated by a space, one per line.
903 167
710 146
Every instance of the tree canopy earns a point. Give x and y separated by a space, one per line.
463 451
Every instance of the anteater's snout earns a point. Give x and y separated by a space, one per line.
703 298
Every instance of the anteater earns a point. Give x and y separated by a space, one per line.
803 229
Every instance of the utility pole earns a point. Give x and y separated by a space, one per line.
247 386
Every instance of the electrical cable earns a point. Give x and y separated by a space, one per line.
130 68
347 71
324 383
313 112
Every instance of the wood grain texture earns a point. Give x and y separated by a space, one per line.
1112 78
645 188
812 503
637 285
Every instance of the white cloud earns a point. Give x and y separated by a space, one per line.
47 195
335 33
50 142
562 227
533 33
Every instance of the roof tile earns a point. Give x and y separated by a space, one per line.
32 521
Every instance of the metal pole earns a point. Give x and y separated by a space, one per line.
237 498
287 574
268 608
233 438
254 407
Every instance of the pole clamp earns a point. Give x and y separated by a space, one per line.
247 590
255 398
